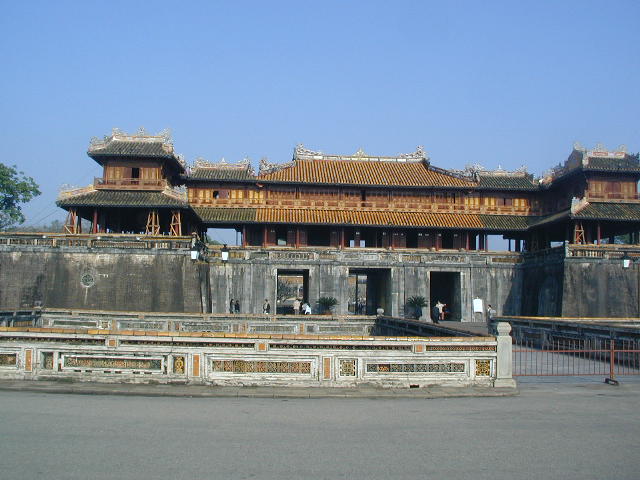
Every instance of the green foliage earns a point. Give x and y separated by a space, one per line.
15 188
416 303
327 303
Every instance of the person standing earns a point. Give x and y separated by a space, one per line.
296 307
232 306
440 307
491 312
435 314
266 307
236 306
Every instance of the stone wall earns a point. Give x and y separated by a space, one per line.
600 287
109 279
167 280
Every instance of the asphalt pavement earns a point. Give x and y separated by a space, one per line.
550 430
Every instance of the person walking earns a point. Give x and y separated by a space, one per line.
296 307
266 307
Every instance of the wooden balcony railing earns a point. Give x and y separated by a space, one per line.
368 205
610 196
130 183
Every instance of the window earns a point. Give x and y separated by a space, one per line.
490 201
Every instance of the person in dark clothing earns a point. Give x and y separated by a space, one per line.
232 306
237 306
435 314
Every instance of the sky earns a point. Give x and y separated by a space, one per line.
497 83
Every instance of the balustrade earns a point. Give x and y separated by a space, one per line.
130 183
350 204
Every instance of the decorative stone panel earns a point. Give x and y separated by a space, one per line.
391 368
326 368
348 368
28 366
251 366
179 364
111 363
47 360
8 359
483 368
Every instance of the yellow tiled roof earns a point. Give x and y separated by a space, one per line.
350 172
367 217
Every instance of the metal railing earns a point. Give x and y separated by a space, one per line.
537 356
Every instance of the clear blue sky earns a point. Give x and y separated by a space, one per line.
507 83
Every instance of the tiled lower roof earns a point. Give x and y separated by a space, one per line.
362 218
610 211
225 215
112 198
220 174
507 183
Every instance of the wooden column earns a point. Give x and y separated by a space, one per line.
599 234
94 225
341 238
153 223
244 236
175 228
71 224
264 238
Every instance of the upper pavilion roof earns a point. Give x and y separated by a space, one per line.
412 170
599 159
138 145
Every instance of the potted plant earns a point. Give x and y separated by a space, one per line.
326 304
416 303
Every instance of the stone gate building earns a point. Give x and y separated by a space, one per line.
369 230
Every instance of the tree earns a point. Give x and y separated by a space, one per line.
15 188
56 226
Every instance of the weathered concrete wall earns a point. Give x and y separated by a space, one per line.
597 287
139 280
494 278
542 286
168 281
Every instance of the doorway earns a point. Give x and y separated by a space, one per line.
445 287
291 284
369 289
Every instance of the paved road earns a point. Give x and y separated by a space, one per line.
568 431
